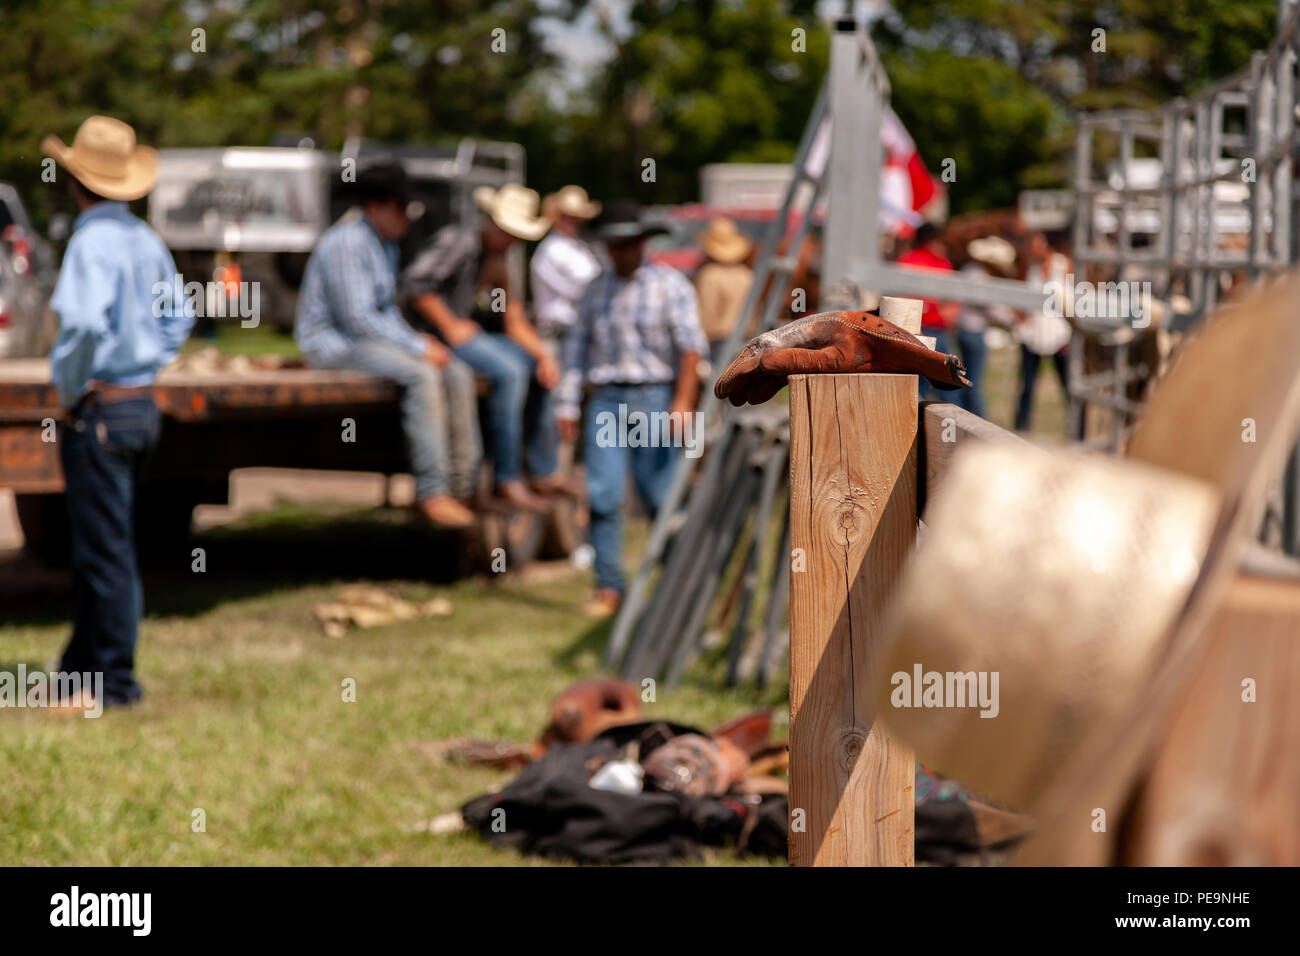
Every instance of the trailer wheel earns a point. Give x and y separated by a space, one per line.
526 537
565 530
513 536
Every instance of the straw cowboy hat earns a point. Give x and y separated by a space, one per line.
1087 582
1060 573
514 208
994 251
570 201
723 242
105 158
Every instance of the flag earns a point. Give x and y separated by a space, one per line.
906 186
900 150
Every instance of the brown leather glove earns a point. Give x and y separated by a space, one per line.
832 342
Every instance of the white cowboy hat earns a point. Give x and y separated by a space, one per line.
993 250
570 201
514 208
105 159
1063 575
723 242
1086 583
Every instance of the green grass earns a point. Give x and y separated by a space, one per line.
231 338
1002 391
244 717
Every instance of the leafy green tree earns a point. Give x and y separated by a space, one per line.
209 74
997 81
696 83
988 83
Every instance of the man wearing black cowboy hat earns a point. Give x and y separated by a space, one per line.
636 343
348 318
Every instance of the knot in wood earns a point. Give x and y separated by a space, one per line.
851 744
848 516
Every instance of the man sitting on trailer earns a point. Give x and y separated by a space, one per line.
461 286
348 319
637 342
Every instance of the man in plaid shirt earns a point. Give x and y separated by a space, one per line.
636 343
348 319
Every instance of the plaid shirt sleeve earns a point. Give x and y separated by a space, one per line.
434 265
683 314
356 298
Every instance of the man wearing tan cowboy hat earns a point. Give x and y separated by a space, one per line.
563 265
115 332
722 282
459 284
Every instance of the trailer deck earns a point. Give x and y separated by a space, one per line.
216 422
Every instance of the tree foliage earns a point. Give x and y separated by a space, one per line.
989 83
994 83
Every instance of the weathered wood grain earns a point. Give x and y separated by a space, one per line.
853 476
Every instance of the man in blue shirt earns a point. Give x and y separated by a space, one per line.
348 318
118 325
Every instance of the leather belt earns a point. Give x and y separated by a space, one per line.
117 393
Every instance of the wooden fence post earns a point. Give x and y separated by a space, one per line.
853 484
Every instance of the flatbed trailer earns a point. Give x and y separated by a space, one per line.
216 422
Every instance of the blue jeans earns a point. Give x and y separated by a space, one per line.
1029 362
974 355
517 406
607 466
103 454
439 414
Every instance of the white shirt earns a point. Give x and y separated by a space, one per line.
561 269
1042 333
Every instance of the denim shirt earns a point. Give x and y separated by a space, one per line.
114 326
349 294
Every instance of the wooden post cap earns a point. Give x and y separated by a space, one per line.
905 313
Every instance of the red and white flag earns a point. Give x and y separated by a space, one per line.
900 151
906 186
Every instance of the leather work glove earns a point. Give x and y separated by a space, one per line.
832 342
